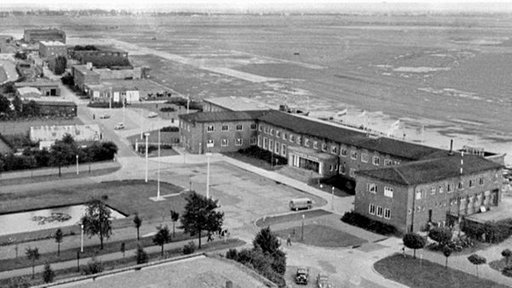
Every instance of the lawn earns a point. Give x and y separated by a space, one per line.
427 274
320 235
127 196
498 265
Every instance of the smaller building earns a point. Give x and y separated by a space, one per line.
53 107
52 49
233 103
84 75
117 91
219 131
51 34
28 92
46 87
52 133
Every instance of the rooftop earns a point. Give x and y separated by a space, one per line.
141 85
52 43
84 70
431 170
222 116
234 103
28 90
50 101
38 83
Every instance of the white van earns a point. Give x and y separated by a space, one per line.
301 203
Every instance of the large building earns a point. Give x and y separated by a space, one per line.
46 87
52 49
87 75
367 162
36 35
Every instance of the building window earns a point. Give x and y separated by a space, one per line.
343 169
331 168
225 128
224 142
397 162
441 188
285 136
239 127
460 185
376 160
260 127
364 157
379 211
277 148
371 209
272 131
387 213
265 143
270 145
278 133
299 138
210 143
315 144
334 149
210 128
470 183
239 141
371 187
449 188
283 150
306 142
253 126
253 141
418 195
353 154
433 190
388 162
292 138
259 141
324 147
266 130
388 192
343 151
352 172
481 181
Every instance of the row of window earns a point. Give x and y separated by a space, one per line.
354 154
379 211
225 127
421 193
372 188
225 142
268 144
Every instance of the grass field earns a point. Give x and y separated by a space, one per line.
427 274
320 235
269 221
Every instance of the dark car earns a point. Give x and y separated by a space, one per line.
302 276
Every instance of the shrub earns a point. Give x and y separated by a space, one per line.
440 235
495 232
364 222
170 129
232 254
48 274
141 255
93 267
105 105
507 271
414 241
167 109
189 248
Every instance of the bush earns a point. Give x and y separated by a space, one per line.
440 235
93 267
170 129
267 156
141 255
105 105
48 274
507 271
232 254
364 222
495 232
189 248
167 109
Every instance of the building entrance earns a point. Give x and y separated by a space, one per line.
309 165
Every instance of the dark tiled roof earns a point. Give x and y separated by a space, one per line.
222 116
431 170
302 125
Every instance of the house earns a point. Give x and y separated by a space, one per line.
54 107
29 92
51 34
116 90
46 87
52 49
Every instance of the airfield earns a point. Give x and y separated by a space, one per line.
443 77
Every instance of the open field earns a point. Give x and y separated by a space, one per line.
443 73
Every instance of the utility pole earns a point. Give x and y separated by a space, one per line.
147 163
208 175
158 181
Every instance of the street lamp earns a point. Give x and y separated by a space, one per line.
81 238
147 163
208 175
77 171
332 198
302 230
158 178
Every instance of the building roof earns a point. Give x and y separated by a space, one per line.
84 70
23 91
431 170
56 101
222 116
38 83
234 103
144 86
52 43
348 136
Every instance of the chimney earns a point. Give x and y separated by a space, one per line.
451 147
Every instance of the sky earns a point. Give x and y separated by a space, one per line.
258 4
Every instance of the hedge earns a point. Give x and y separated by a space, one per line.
267 156
364 222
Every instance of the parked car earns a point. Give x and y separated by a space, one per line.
301 203
119 126
104 116
322 281
302 276
152 114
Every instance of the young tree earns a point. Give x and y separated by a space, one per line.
506 253
142 256
447 251
123 248
60 65
440 235
60 155
48 274
175 216
161 237
138 222
18 105
58 239
96 220
32 255
200 215
5 105
267 241
476 260
414 241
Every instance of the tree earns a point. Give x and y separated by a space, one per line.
138 222
32 255
94 266
96 220
60 155
161 237
447 251
60 65
18 105
267 241
476 260
506 253
175 216
414 241
141 255
440 235
48 274
20 55
58 239
123 248
5 105
200 215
